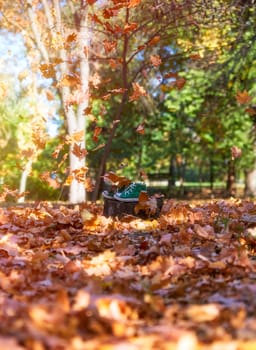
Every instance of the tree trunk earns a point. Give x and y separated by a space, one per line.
23 179
211 175
75 118
106 151
231 183
250 183
76 122
171 175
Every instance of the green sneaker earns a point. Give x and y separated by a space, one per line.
131 193
111 193
108 194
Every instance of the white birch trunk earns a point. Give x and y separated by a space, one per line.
23 179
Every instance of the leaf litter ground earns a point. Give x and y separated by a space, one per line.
73 279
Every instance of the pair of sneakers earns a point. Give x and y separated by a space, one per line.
129 194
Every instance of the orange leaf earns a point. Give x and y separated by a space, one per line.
143 197
134 3
51 179
106 97
130 27
57 60
98 147
171 75
114 63
140 129
118 91
108 13
78 151
138 91
155 60
243 97
96 19
96 133
89 185
195 57
79 174
69 80
236 152
77 136
71 37
146 204
95 80
251 111
91 2
87 110
141 47
180 83
86 51
49 95
47 70
154 40
109 45
112 179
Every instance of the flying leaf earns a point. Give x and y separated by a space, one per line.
141 47
95 19
71 37
69 80
140 129
171 75
23 75
47 70
111 178
69 40
154 40
114 63
180 83
76 137
146 204
155 60
95 80
109 46
108 13
96 133
51 179
79 174
195 57
49 95
251 110
236 152
98 147
130 27
134 3
138 91
118 91
56 60
243 97
57 150
78 151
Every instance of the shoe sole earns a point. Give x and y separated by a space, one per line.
105 195
126 199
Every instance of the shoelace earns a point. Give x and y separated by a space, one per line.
130 189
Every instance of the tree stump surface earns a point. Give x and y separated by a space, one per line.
113 207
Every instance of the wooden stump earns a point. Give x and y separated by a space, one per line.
113 207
